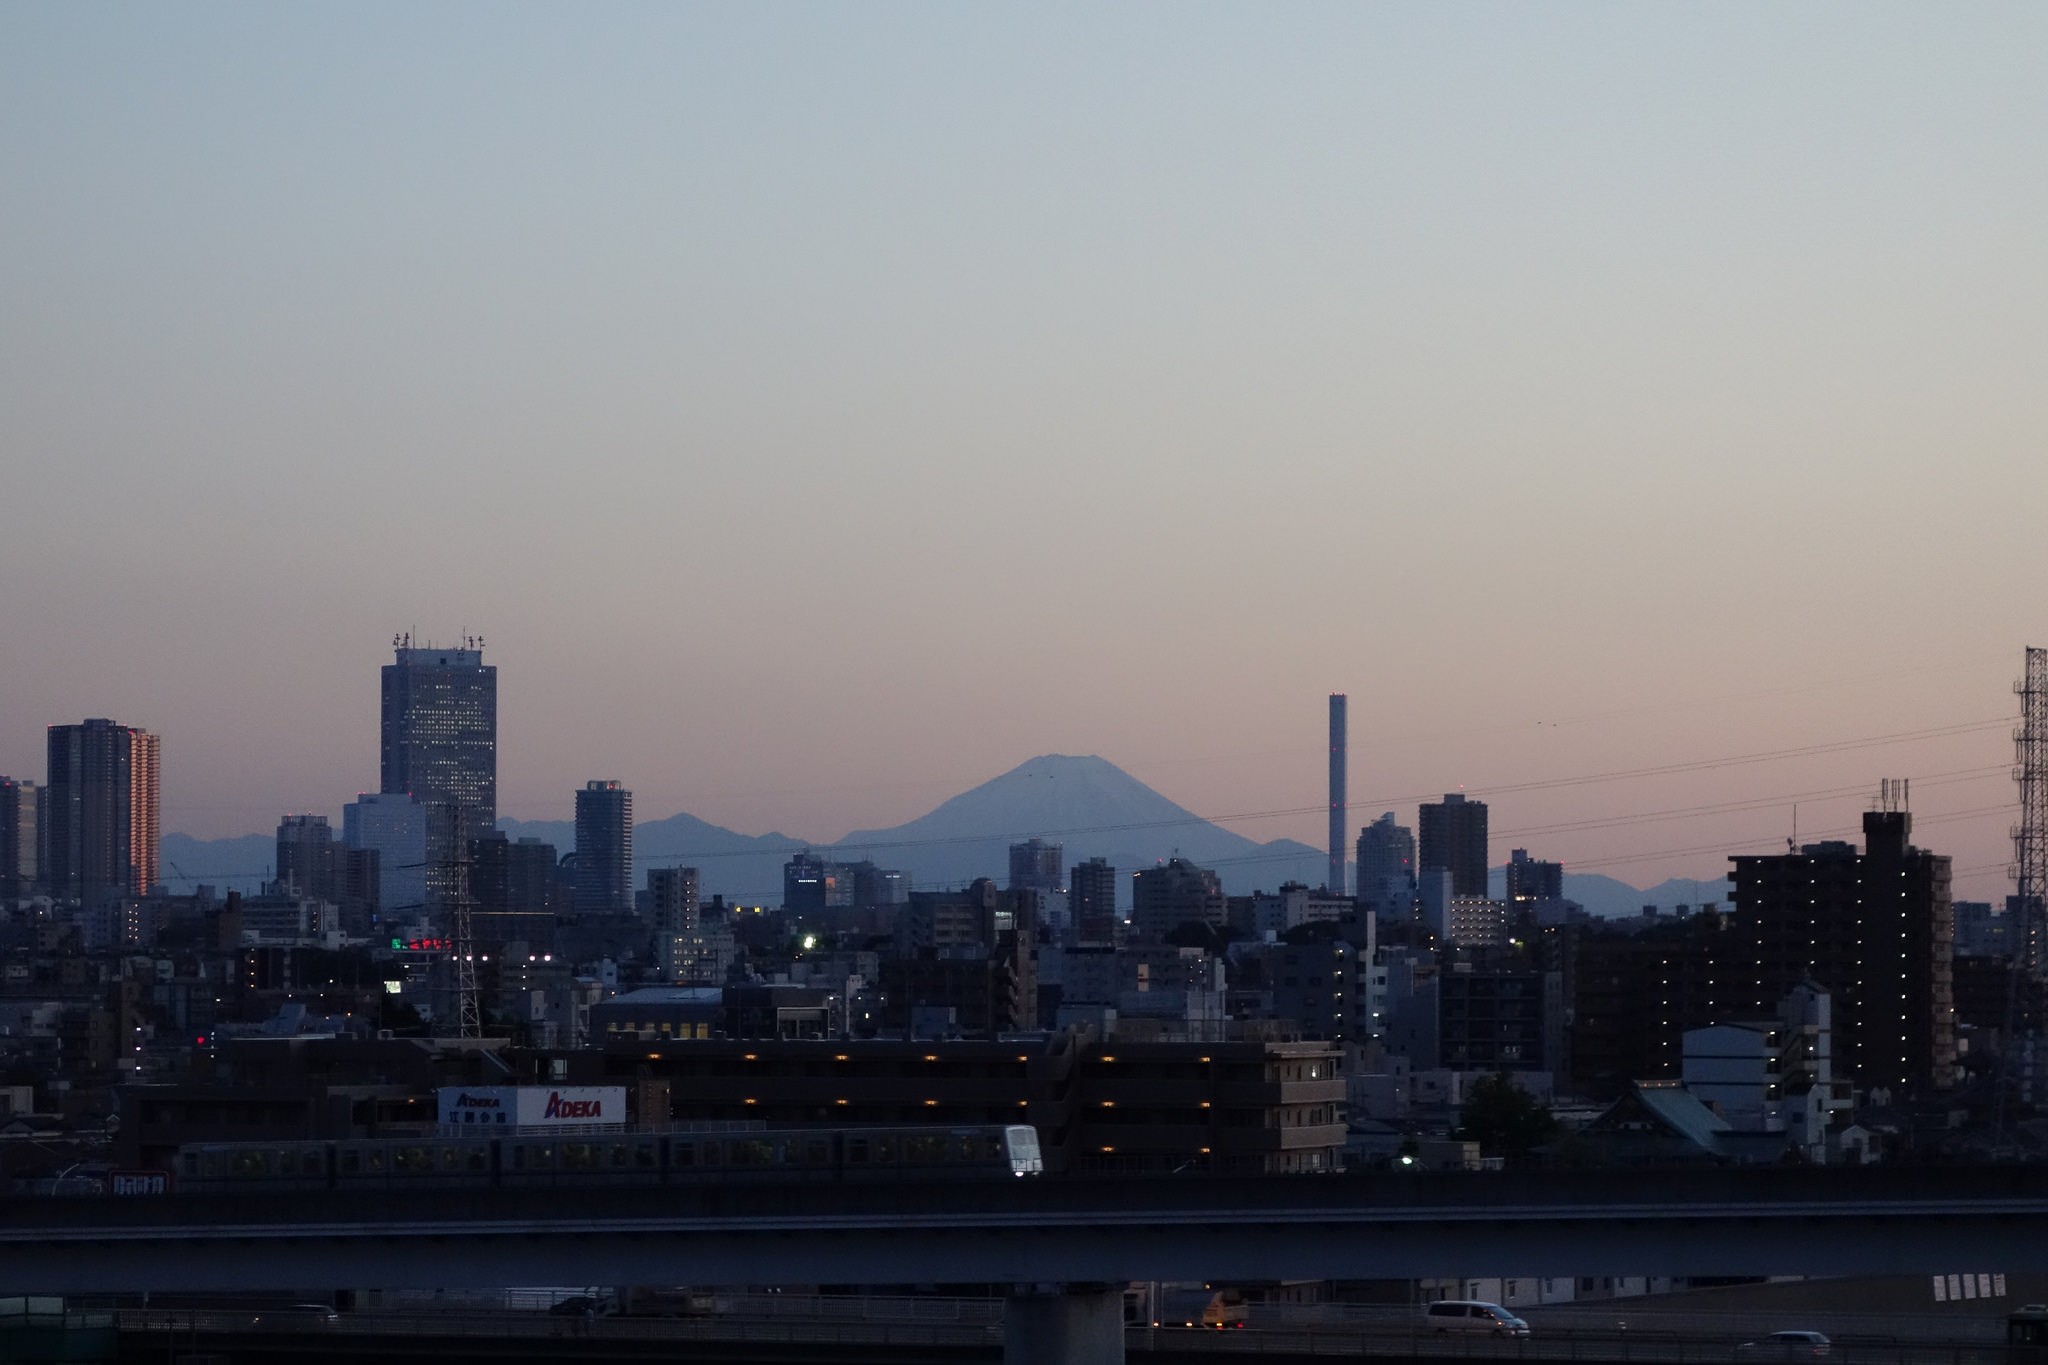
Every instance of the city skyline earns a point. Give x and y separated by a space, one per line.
822 413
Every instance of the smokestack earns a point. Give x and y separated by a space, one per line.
1339 807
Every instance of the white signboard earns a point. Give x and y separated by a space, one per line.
508 1108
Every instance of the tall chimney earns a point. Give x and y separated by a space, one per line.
1339 807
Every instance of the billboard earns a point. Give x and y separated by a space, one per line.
531 1108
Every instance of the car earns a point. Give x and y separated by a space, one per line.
296 1316
581 1306
1787 1346
1472 1315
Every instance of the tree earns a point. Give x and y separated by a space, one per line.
1504 1119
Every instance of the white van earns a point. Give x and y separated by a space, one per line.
1470 1315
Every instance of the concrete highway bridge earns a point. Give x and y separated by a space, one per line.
1064 1244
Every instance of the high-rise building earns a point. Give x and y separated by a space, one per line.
1386 868
17 837
1876 930
1532 880
305 857
1091 901
395 826
101 835
1175 893
1340 808
1036 865
604 849
1453 837
512 892
691 946
440 746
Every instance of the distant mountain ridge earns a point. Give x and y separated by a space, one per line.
1088 804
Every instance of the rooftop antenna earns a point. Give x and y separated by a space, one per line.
1792 844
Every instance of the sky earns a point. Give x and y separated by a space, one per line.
820 409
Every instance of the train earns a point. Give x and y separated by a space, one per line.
531 1160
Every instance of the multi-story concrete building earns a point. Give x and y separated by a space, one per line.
1530 879
1453 837
1773 1074
690 947
440 746
1098 1105
1877 930
18 870
1091 901
1175 893
1386 868
395 826
604 849
100 811
1037 865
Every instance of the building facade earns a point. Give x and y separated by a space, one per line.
1036 865
395 826
1530 879
1386 868
1091 901
100 811
440 747
604 849
18 868
1175 893
1877 931
1453 837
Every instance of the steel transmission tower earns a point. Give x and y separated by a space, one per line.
468 1016
2030 835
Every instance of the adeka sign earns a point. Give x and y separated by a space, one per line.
502 1108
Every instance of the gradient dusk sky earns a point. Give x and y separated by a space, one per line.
820 409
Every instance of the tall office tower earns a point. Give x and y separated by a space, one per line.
1876 929
305 857
1036 865
1340 801
1454 838
1175 893
1386 868
1531 880
17 837
394 825
604 849
440 746
1091 901
101 811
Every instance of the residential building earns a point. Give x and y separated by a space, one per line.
18 870
1773 1074
1292 906
99 818
604 849
1531 880
305 856
1453 837
1386 868
1174 893
1091 901
1986 930
1473 922
1038 866
1877 930
691 946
